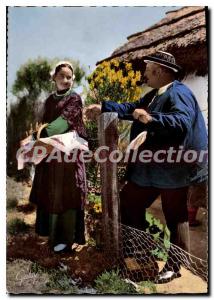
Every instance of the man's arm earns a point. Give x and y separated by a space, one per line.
124 110
178 120
173 124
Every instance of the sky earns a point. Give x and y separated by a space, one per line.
87 34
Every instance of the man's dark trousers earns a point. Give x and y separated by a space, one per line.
133 203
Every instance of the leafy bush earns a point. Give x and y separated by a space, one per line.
93 218
17 225
112 283
95 199
92 167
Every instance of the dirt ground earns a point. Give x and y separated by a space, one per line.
186 284
20 253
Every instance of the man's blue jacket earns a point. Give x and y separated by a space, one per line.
176 121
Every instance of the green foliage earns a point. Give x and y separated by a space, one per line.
91 242
79 73
160 233
92 132
93 219
36 268
60 281
95 199
19 120
12 203
154 221
147 287
91 99
92 129
92 167
17 225
112 283
32 78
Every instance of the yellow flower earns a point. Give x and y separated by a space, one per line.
131 74
128 66
138 75
105 64
115 62
133 82
97 208
119 74
113 85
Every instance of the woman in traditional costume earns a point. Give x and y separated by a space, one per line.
59 188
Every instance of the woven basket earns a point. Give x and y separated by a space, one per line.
40 130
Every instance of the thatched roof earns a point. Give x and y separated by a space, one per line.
182 32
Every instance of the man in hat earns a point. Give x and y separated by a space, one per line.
171 116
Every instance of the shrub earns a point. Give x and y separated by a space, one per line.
112 283
17 225
61 281
93 218
116 81
58 280
147 287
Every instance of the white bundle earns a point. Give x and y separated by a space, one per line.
63 142
139 140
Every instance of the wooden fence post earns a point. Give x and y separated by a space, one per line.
108 136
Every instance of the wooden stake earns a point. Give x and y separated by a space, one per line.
108 136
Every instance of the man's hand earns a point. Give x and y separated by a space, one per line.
142 115
92 111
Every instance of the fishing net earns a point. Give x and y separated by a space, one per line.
139 254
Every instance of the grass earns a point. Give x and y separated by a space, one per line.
17 225
61 281
112 283
58 280
147 287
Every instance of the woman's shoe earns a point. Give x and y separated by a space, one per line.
62 248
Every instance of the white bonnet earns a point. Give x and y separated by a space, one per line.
59 64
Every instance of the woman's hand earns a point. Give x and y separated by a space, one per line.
92 112
142 115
